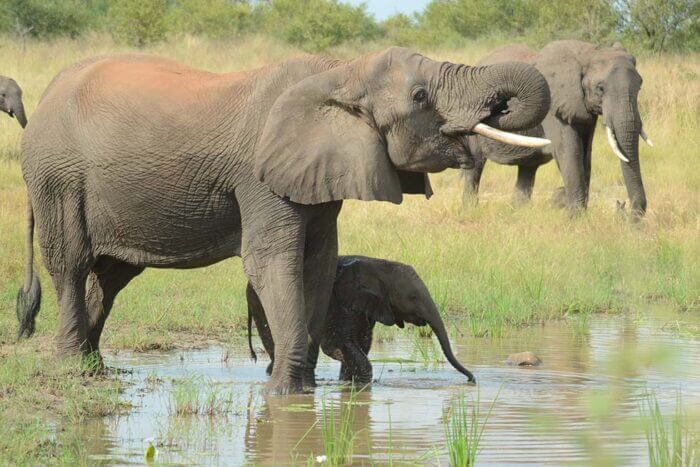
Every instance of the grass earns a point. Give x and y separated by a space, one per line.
337 432
464 428
491 267
670 443
191 397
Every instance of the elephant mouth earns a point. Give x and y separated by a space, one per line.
465 159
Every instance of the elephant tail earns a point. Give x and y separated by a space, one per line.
253 355
29 295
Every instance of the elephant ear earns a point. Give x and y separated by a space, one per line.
564 74
358 288
320 144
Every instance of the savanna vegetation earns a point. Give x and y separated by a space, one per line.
489 267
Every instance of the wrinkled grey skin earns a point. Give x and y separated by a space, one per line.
366 291
11 100
134 161
585 82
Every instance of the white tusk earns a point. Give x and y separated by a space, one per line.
509 138
613 144
646 139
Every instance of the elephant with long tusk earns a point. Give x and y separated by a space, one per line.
586 82
133 161
11 100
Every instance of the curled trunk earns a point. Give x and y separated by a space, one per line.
516 96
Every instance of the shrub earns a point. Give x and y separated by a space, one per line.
44 19
445 19
138 22
315 25
213 18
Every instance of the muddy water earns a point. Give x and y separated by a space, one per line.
580 406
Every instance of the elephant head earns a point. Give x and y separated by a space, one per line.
11 100
373 127
393 294
588 81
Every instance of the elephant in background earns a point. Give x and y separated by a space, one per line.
366 291
585 82
133 161
11 100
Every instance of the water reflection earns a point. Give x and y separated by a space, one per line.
575 407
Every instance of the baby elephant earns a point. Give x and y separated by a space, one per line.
366 291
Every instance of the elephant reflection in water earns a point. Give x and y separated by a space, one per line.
290 429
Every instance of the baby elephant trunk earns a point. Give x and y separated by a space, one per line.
438 328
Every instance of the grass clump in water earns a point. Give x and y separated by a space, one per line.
337 431
187 398
464 428
674 442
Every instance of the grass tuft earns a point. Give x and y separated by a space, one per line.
670 443
464 428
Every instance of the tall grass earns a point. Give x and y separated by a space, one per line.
464 427
670 443
337 432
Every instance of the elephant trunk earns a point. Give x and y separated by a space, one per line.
520 93
438 327
17 109
624 127
511 96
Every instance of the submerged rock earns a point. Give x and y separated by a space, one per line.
523 359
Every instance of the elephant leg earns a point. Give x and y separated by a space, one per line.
569 157
472 179
279 287
587 138
67 255
320 262
72 314
104 282
356 366
524 183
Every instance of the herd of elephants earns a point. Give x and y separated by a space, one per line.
133 161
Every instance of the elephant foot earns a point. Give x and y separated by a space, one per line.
559 197
283 388
93 363
309 379
520 198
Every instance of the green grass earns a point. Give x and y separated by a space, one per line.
490 267
670 443
464 427
337 433
190 397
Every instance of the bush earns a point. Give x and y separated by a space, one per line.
315 25
138 22
44 19
660 25
446 19
586 20
213 18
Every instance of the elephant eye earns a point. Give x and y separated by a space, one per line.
420 96
599 88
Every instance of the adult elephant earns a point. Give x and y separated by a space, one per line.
586 82
11 100
134 161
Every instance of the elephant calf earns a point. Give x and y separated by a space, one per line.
11 100
366 291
